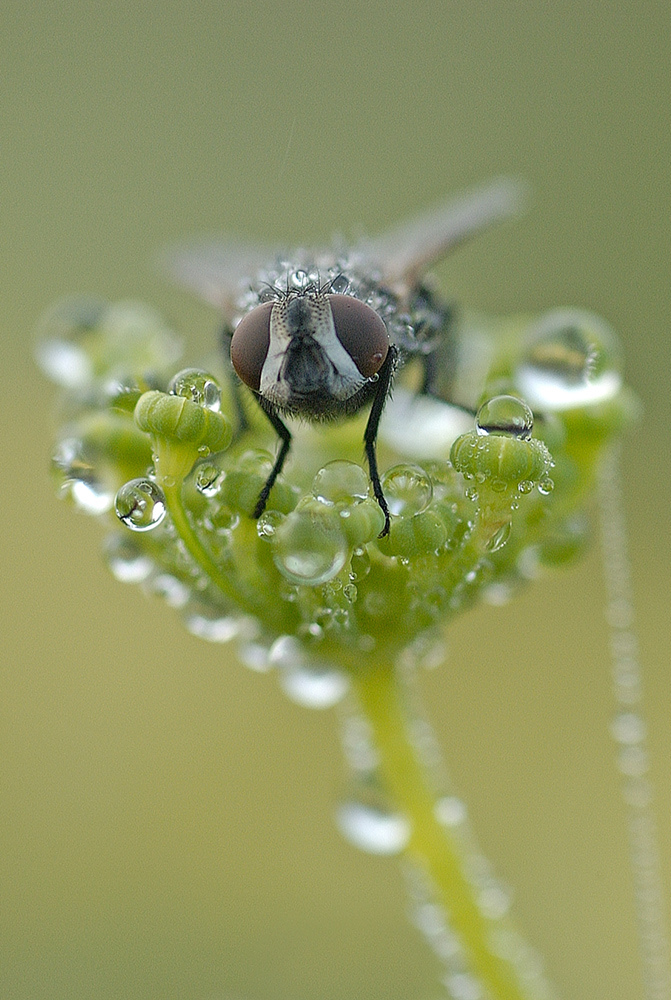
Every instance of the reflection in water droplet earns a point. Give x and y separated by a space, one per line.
545 485
127 562
505 415
268 523
500 537
140 505
198 386
407 489
340 482
372 828
573 360
208 479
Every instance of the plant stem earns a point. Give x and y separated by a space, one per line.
229 588
431 846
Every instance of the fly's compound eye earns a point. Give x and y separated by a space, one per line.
361 332
249 346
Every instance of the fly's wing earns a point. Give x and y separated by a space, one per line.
216 270
404 253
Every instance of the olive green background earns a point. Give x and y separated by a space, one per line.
166 821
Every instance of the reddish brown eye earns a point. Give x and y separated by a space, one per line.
249 346
361 332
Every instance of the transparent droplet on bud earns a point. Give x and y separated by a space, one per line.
500 537
268 523
367 822
126 561
62 333
545 485
572 360
306 555
505 415
198 386
407 490
208 479
340 482
299 278
140 505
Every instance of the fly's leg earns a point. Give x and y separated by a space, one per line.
284 435
385 374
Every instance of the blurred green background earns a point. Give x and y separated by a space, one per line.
166 824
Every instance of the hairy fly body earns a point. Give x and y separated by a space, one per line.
320 335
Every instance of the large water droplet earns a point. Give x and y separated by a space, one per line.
407 489
61 349
126 561
373 828
198 386
311 683
340 482
308 552
572 360
78 478
506 415
140 505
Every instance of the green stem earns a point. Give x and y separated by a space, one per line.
431 846
200 555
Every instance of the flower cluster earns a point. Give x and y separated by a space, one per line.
473 514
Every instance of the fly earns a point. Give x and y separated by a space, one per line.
320 335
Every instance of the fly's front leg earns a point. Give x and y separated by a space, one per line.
284 435
385 374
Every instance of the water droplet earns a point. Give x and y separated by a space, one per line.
339 284
359 565
165 585
307 551
506 415
268 523
525 486
545 485
450 811
500 537
208 622
208 479
340 482
573 360
198 386
126 561
77 477
464 986
373 828
350 592
140 505
299 278
311 683
407 489
62 333
628 728
255 656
